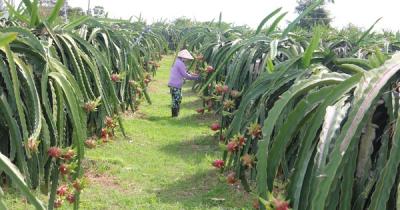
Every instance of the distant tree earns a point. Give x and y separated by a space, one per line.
319 16
75 12
98 11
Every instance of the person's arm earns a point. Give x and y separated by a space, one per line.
182 70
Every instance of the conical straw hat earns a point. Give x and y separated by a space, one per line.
185 54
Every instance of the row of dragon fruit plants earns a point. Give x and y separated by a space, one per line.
308 120
64 86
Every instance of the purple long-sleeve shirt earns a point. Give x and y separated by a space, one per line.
178 73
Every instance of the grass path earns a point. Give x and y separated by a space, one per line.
165 163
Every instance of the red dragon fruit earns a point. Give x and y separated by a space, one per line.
54 152
215 126
231 146
62 190
71 198
209 69
231 179
218 163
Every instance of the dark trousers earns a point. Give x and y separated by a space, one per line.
176 96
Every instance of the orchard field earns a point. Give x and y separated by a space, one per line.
283 117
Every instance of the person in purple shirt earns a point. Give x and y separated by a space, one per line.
178 75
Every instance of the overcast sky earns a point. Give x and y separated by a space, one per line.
360 12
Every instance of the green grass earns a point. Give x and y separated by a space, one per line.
164 164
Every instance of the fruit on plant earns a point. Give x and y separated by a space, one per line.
248 160
110 123
64 169
231 179
281 205
232 146
235 93
254 130
104 133
133 83
58 203
70 198
200 57
68 154
78 185
218 163
241 140
219 89
90 143
215 126
229 104
54 152
209 69
115 77
32 145
200 111
225 88
89 106
62 190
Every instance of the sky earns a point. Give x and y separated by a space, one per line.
362 13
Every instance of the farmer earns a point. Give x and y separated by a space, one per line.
178 74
